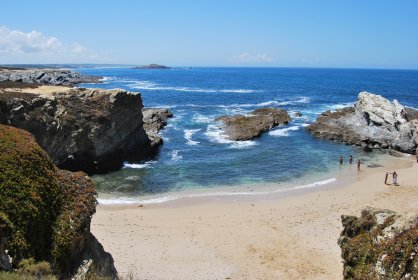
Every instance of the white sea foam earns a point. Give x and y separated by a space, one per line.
138 165
282 132
304 124
339 106
238 90
147 85
188 133
198 118
172 197
105 79
106 201
175 156
217 135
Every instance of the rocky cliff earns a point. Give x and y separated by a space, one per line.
380 245
92 130
45 76
373 123
240 128
155 119
45 212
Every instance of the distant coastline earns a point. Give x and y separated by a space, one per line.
151 66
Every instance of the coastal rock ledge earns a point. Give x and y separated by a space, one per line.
380 245
46 77
241 128
91 130
373 123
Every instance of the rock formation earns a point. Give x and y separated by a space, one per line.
92 130
154 120
47 77
151 66
373 123
380 245
45 212
240 128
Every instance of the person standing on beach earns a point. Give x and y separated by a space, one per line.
341 160
395 178
386 178
358 165
350 159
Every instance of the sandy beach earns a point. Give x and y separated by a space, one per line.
280 237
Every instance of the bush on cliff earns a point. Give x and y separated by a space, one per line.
379 245
44 211
31 197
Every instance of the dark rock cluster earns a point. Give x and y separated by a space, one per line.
155 119
47 77
92 130
241 128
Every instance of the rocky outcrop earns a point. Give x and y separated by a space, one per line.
240 128
154 120
92 130
151 66
380 245
6 229
45 212
47 77
373 123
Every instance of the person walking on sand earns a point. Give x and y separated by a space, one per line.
395 178
350 159
386 177
341 160
358 165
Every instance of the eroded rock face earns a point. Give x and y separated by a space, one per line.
241 128
373 122
154 120
47 77
380 245
92 130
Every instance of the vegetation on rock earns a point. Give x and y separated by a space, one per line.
379 245
45 212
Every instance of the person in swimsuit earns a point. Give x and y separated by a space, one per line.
341 160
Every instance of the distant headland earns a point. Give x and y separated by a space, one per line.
151 66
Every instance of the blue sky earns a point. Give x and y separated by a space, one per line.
291 33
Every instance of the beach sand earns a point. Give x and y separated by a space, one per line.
280 237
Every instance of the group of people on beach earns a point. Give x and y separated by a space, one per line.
350 160
394 178
394 174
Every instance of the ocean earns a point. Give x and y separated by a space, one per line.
196 159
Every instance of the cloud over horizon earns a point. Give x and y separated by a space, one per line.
35 47
248 58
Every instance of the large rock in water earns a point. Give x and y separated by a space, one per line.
92 130
154 120
45 212
373 122
380 245
47 77
241 128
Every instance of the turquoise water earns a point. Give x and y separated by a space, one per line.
195 155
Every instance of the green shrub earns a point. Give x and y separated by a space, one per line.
31 195
39 270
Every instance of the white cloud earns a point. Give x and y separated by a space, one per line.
34 47
247 58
